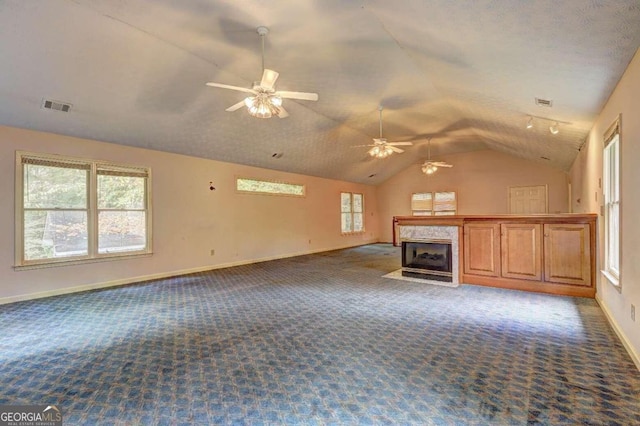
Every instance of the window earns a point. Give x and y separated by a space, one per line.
611 189
352 210
268 187
433 203
422 204
71 209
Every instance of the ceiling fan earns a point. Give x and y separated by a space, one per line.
264 101
430 167
381 148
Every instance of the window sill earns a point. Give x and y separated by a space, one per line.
79 261
353 233
612 279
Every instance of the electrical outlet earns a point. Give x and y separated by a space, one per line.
633 312
213 252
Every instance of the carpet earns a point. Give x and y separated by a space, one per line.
316 340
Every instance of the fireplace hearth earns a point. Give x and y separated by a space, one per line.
427 259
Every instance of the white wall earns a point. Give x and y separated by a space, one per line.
188 219
586 175
481 180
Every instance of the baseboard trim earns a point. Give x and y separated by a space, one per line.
159 276
635 357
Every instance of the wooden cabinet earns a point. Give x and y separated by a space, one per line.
521 251
532 255
482 249
567 253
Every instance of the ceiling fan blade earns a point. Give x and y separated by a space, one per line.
236 107
443 165
298 95
269 78
360 146
226 86
394 149
400 143
283 113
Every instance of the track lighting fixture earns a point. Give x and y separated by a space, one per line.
554 128
530 123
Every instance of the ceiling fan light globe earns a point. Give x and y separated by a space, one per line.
429 169
276 101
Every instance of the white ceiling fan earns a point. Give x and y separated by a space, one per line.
382 148
265 101
430 167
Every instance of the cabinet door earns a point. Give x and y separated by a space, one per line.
521 253
482 249
567 254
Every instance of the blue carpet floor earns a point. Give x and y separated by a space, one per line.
319 339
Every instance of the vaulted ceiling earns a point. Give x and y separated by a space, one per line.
465 73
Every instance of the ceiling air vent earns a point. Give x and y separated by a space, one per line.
56 105
544 102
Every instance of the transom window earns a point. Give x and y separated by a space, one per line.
433 203
611 189
70 209
352 212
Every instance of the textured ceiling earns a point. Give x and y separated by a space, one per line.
463 72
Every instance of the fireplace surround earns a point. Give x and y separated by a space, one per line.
429 259
435 232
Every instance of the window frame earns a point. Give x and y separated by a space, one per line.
432 203
277 182
91 209
352 213
611 168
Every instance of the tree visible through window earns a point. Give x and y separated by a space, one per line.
611 189
352 212
75 209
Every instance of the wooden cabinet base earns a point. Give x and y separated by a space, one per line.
526 285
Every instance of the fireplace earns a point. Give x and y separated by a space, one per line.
427 259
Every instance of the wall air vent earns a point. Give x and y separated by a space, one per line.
544 102
56 105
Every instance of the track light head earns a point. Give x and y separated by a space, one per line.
530 123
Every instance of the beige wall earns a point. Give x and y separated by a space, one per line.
481 180
188 219
586 175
